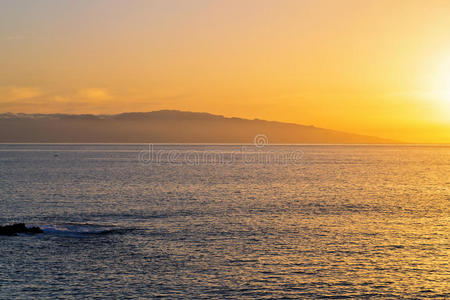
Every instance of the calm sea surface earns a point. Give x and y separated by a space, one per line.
197 221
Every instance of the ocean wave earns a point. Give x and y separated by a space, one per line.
81 230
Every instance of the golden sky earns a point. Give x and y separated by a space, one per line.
371 67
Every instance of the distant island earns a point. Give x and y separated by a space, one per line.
164 126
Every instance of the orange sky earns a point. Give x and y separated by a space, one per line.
371 67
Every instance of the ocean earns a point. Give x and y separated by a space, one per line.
225 221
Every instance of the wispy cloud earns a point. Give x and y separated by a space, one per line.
45 99
95 93
14 93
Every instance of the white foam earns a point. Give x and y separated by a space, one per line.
75 229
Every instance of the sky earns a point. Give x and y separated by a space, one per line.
378 68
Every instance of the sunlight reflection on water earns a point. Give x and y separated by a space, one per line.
346 221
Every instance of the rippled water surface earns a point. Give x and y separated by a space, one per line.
226 221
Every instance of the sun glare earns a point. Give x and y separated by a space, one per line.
444 86
440 89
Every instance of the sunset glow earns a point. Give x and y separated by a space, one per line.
369 67
442 88
224 149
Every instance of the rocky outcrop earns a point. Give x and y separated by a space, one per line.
12 230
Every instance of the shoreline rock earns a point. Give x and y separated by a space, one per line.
14 229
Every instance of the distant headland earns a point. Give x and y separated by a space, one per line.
164 126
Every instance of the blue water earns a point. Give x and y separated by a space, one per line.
198 221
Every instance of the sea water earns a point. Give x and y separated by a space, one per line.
225 221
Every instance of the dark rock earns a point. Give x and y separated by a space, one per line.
12 230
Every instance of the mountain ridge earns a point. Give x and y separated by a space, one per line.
173 126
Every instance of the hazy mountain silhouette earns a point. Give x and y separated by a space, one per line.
165 126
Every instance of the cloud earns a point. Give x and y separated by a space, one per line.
39 100
44 99
95 94
14 93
